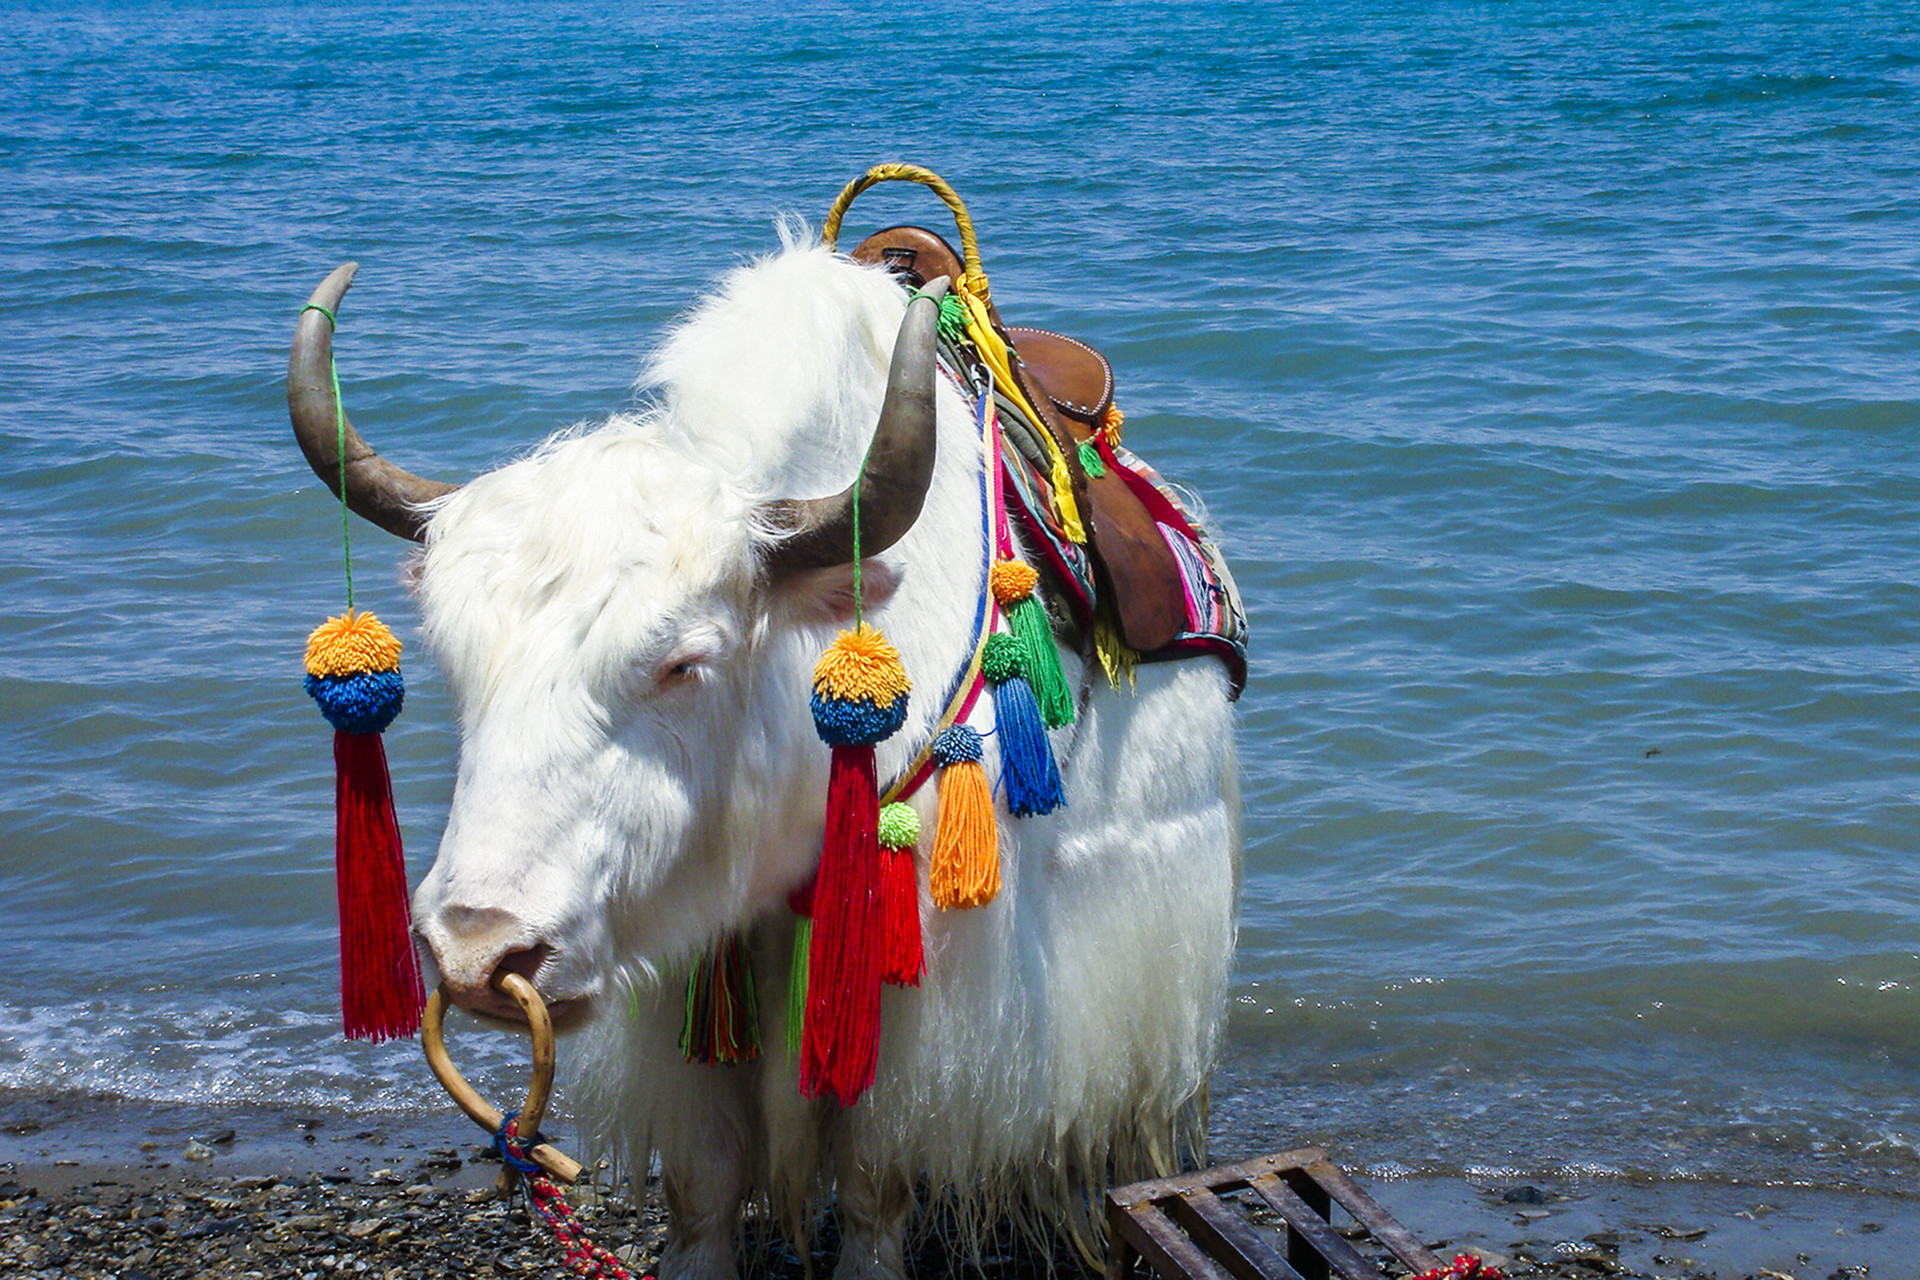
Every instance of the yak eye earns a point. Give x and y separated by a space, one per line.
691 660
680 671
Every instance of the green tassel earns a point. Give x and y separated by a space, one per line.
1090 461
952 323
690 1021
722 1022
1031 626
797 984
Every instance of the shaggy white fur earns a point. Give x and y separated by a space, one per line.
639 773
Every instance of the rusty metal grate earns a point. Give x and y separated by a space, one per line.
1184 1229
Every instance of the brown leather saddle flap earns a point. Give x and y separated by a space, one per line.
1077 378
1071 386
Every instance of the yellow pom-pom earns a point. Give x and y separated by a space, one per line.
351 644
1012 580
861 664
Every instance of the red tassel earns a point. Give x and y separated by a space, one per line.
841 1039
381 995
904 958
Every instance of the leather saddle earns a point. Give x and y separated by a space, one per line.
1070 385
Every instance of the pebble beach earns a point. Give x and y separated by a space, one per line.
99 1190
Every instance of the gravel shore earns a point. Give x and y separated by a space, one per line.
91 1188
424 1221
393 1224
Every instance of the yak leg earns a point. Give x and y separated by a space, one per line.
874 1209
704 1169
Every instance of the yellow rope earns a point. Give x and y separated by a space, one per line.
994 354
974 280
971 289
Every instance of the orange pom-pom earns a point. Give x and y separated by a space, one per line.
861 664
1012 580
350 645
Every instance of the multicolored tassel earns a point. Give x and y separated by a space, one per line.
353 672
1012 582
1027 767
903 954
722 1023
964 870
859 698
1107 434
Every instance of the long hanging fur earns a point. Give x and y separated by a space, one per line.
1038 1061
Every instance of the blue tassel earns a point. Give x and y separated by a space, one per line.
1027 768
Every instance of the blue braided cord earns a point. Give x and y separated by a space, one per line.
503 1144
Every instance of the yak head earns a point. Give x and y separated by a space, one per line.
616 615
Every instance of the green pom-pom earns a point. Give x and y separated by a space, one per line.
899 826
1003 658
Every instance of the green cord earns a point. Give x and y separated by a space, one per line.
340 445
859 483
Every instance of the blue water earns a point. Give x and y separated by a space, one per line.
1551 372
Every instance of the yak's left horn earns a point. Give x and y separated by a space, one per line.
898 471
376 489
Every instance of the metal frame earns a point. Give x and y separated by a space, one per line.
1182 1229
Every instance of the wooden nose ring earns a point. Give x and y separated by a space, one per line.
433 1039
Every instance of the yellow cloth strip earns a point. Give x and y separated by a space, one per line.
994 352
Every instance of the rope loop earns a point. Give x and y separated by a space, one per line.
974 279
512 1150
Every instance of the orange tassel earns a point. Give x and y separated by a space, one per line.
965 868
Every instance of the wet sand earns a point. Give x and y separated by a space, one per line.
93 1188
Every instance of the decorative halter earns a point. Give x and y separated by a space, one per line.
860 917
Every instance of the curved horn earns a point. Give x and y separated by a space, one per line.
376 489
898 470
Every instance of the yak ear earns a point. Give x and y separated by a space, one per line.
826 595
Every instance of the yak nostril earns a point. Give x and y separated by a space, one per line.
526 962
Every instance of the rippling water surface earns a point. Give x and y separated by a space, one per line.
1553 376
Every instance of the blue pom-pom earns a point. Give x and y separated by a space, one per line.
955 743
363 703
1026 756
856 722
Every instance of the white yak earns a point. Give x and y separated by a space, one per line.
628 620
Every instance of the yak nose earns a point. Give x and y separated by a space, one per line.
475 947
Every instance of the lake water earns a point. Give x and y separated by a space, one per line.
1552 374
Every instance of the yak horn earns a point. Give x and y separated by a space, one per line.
376 489
898 470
